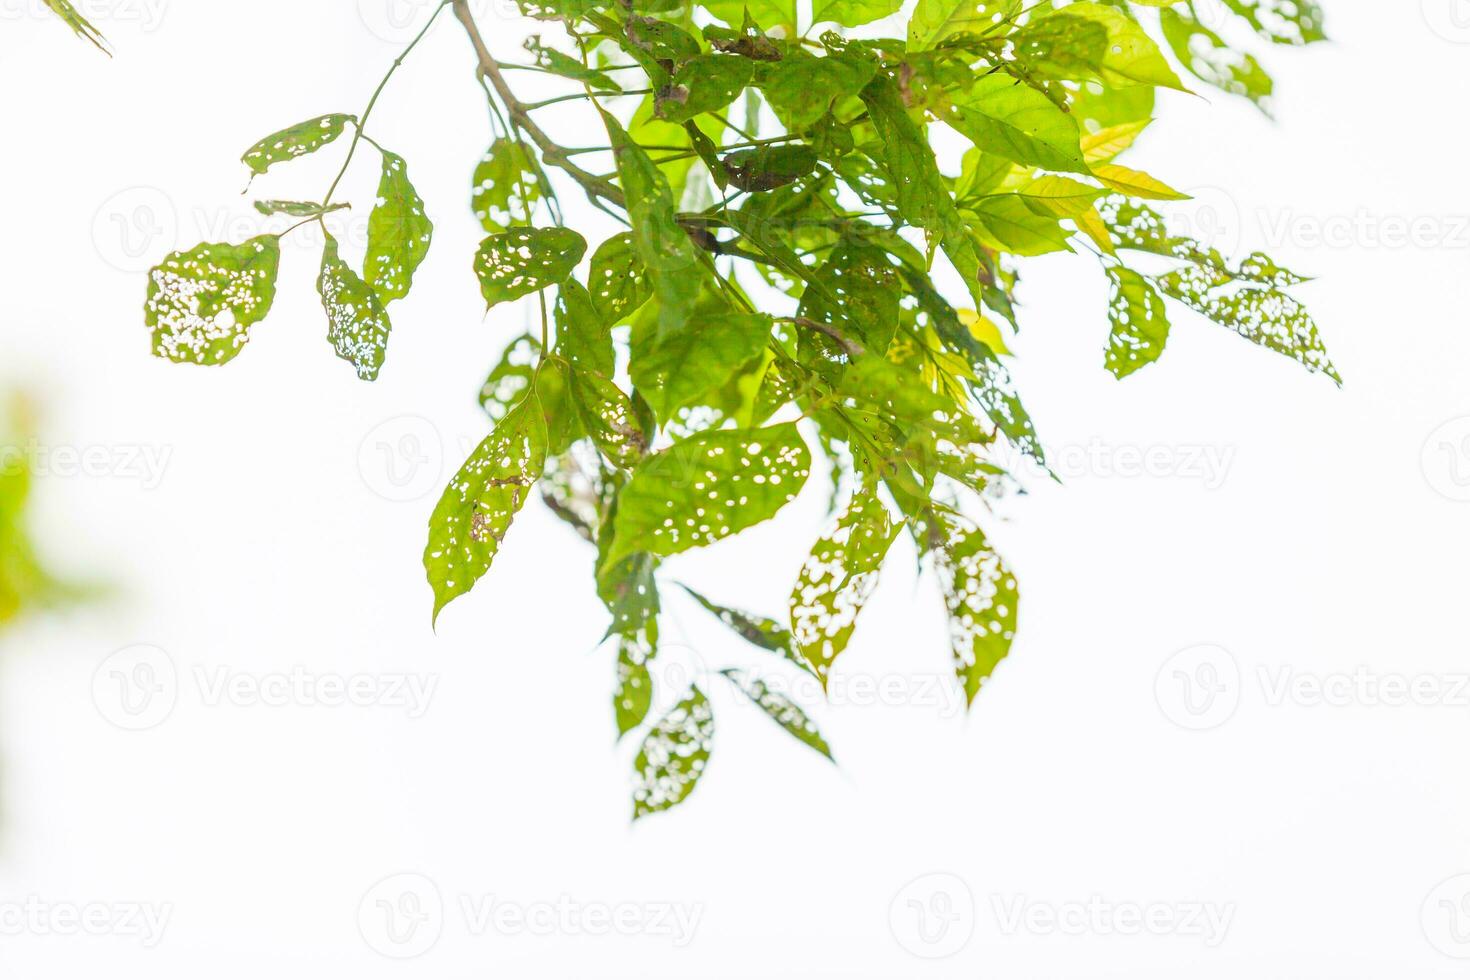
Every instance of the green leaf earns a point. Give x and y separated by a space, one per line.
476 510
1007 224
837 580
1058 197
766 168
297 209
582 336
202 303
680 369
507 188
706 83
853 13
79 24
629 589
1282 21
295 141
708 487
633 696
1140 327
1206 55
934 21
1090 38
760 631
1002 116
673 756
398 232
660 242
510 379
802 87
618 282
780 709
357 323
981 596
523 261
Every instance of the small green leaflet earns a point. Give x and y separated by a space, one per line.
759 631
633 696
981 596
480 502
1140 327
357 323
780 709
398 232
202 303
523 261
663 246
709 486
673 756
296 141
296 209
837 580
506 187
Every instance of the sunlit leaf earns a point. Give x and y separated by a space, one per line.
398 233
506 189
1140 327
357 323
981 596
202 303
526 260
780 709
295 141
673 756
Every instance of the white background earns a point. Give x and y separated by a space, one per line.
1331 543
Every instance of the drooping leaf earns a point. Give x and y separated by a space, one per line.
780 709
202 303
837 580
357 323
760 631
981 596
709 486
295 141
633 696
1140 327
472 517
673 756
523 261
398 233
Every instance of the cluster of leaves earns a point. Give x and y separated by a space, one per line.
812 280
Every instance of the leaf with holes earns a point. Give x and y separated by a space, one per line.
981 596
837 580
506 187
706 83
679 369
1140 325
476 510
708 487
295 141
759 631
673 756
357 323
633 696
202 303
780 709
398 232
526 260
618 281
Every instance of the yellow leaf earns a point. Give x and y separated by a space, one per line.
1136 183
984 329
1105 144
1091 225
